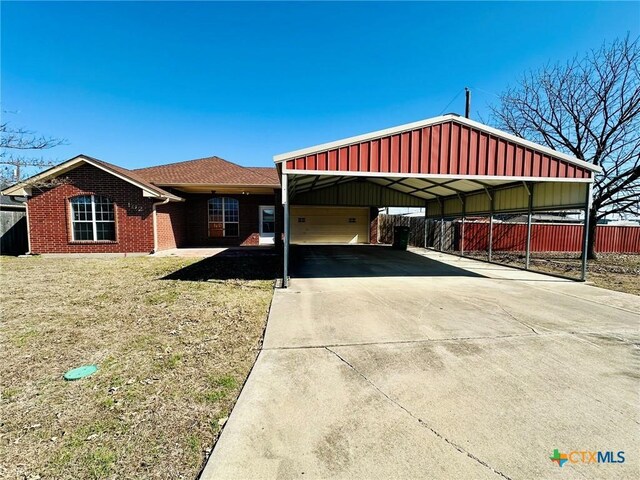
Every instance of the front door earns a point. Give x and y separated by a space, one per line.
267 224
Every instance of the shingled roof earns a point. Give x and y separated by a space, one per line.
209 170
127 175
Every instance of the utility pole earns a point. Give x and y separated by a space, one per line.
467 102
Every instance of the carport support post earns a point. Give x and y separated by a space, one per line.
285 204
529 209
585 233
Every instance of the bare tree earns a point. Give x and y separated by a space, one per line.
588 107
16 153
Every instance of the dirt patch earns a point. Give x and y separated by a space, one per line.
614 271
172 357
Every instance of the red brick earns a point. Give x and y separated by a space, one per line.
50 220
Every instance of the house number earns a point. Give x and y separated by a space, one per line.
134 207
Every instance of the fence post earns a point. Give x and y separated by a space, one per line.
441 225
529 210
463 199
425 225
490 228
585 233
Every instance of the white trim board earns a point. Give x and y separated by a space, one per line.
441 176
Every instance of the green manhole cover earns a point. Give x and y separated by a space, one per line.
81 372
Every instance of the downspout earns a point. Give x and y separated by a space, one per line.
155 224
26 212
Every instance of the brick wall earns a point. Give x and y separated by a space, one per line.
172 225
197 225
50 219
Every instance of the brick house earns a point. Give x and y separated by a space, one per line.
85 205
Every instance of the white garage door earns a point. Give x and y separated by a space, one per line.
329 224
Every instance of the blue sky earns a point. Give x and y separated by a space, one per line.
140 84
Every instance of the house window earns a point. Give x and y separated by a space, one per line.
224 217
92 218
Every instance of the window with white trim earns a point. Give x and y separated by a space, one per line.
92 218
224 217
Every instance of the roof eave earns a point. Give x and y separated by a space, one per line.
227 185
23 188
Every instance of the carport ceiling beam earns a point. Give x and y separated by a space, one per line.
426 189
411 192
485 186
392 182
444 185
322 184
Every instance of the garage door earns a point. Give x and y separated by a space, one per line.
329 225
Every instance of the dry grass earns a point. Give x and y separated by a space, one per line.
614 271
172 358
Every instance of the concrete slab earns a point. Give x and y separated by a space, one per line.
202 252
385 364
346 428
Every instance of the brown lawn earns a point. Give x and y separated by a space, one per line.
172 357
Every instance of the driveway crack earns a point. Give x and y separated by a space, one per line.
517 319
418 419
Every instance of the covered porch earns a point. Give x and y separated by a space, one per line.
215 217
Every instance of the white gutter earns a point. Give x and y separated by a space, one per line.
155 223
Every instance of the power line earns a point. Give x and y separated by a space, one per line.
452 100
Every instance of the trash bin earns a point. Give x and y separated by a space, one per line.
400 237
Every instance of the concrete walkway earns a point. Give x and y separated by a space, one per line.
383 364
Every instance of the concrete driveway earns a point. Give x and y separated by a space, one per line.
386 364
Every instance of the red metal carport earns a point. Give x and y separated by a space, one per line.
449 164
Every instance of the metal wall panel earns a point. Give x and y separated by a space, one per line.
433 209
449 148
357 194
612 238
546 237
511 199
551 195
546 196
478 203
452 206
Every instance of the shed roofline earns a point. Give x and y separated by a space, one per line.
428 122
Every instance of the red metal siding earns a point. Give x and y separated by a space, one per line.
448 148
549 237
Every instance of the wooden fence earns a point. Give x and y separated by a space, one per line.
13 232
